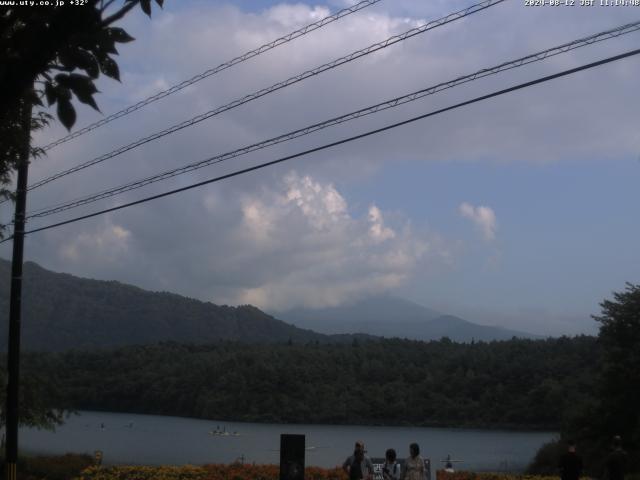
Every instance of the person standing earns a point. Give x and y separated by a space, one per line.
414 465
358 466
391 469
616 462
570 464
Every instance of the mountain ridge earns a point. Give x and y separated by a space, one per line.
390 316
62 311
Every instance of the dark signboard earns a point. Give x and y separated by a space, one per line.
292 457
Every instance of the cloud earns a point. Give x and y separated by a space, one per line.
377 230
322 205
107 243
277 239
294 242
483 217
178 44
317 252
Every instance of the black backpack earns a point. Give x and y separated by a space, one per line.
355 470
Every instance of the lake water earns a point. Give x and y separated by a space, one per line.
154 440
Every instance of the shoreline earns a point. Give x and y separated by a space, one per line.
468 427
152 440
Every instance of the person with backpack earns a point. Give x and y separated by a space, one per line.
391 469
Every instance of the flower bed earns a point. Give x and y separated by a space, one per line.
257 472
462 475
206 472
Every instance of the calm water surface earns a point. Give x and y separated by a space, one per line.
154 440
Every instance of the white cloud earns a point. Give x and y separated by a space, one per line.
108 243
142 86
292 16
377 230
483 217
322 205
307 249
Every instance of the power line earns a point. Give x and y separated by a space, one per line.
290 81
340 142
535 57
212 71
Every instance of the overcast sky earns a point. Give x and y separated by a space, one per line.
520 211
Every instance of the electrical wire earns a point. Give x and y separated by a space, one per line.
265 91
535 57
212 71
340 142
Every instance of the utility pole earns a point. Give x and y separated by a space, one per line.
15 304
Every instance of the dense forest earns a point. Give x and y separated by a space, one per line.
610 409
517 383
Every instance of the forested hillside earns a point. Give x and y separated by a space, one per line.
517 383
61 311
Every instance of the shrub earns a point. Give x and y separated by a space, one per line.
546 460
461 475
58 467
206 472
186 472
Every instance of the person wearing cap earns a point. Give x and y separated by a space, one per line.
570 464
358 466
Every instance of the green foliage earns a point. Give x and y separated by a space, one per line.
612 406
546 459
620 381
59 467
52 54
39 398
47 48
11 132
396 382
167 472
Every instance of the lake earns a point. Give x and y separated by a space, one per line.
153 440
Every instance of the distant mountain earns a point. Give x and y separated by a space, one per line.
390 316
61 311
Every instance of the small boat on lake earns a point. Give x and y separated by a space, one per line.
223 432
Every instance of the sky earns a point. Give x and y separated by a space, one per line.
519 211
